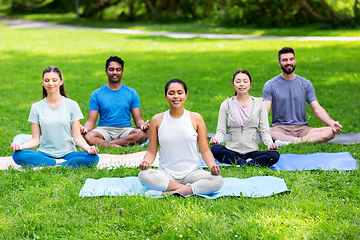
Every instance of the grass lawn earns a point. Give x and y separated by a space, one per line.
44 204
204 26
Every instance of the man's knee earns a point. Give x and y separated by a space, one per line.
90 137
275 133
139 135
329 133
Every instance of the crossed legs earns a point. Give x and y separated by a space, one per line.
199 181
30 158
262 158
312 135
135 136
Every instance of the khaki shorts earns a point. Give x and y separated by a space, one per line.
112 133
291 130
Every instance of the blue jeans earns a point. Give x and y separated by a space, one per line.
262 158
30 158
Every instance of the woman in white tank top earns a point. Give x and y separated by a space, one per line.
181 134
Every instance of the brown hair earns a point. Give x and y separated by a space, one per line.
56 70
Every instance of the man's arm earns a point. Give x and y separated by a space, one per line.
323 116
267 106
138 120
90 123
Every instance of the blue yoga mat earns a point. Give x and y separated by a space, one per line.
325 161
263 186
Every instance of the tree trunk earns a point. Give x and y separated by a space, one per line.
356 10
312 13
98 7
152 9
333 13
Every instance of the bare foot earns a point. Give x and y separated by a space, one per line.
59 161
115 145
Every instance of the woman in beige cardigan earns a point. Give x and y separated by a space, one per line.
243 115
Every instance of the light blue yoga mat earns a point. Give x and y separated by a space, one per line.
263 186
324 161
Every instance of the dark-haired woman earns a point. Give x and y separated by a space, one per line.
55 118
243 115
181 134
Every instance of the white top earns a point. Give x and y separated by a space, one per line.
179 150
55 126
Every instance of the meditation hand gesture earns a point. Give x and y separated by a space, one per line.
83 130
215 170
336 127
93 150
16 147
273 146
144 165
145 126
213 141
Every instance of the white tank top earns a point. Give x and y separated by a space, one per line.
179 150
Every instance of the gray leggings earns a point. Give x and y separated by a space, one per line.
201 181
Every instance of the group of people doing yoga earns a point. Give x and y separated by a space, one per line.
180 133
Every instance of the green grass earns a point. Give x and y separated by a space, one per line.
200 26
44 204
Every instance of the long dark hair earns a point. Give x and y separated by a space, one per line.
241 71
56 70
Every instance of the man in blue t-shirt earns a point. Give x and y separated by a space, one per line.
114 101
287 94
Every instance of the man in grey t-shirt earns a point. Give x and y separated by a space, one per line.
287 94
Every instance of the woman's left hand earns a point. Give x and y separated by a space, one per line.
273 146
93 150
215 170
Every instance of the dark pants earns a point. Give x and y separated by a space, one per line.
262 158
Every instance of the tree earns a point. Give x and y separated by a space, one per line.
94 7
317 15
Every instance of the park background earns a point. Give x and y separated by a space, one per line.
44 204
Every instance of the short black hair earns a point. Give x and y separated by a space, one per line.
114 59
285 50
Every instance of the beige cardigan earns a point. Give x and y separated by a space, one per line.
242 139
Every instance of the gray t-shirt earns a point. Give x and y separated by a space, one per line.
55 126
288 99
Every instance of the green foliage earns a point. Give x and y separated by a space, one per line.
229 13
44 204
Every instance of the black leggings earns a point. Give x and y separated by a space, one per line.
262 158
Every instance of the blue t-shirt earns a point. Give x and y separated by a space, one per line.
288 99
114 106
55 126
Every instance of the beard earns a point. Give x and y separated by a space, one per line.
288 71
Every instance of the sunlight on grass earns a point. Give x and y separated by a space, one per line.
206 66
